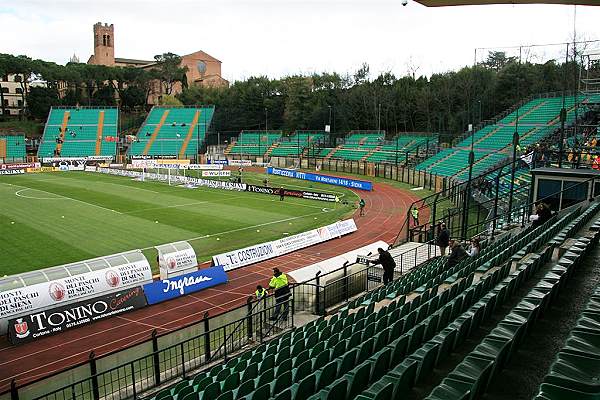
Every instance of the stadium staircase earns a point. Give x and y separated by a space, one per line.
63 129
332 152
386 343
486 137
528 112
229 147
370 153
157 128
189 135
270 149
99 133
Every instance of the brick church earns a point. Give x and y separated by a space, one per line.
203 69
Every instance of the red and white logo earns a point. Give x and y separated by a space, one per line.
171 263
57 291
323 232
112 278
21 328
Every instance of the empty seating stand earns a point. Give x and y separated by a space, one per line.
295 144
537 119
82 132
173 131
255 143
12 148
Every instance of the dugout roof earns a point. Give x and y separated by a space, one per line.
66 270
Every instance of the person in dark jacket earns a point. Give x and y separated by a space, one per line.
543 213
457 253
387 263
443 239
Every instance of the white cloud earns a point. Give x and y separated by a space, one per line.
279 37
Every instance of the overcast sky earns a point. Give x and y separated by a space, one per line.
282 37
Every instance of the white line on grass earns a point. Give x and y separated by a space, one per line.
244 228
175 206
64 197
18 194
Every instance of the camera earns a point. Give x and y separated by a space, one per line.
404 2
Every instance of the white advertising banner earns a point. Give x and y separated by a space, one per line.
160 163
176 258
240 163
301 240
346 226
246 256
264 251
47 160
50 294
184 180
216 173
205 166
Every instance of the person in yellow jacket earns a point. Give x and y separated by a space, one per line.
260 292
415 215
279 282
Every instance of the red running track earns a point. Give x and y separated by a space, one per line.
385 209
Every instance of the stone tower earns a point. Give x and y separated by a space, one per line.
104 44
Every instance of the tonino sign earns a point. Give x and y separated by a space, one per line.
30 327
293 193
67 290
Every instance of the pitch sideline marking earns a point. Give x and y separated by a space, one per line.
65 197
18 194
241 229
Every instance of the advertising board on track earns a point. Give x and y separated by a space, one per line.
48 322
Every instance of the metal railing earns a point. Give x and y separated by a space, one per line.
178 360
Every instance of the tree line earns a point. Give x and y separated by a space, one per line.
444 102
84 84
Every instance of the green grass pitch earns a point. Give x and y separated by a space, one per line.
50 219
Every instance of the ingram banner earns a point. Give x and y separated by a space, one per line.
264 251
330 180
47 294
32 326
171 288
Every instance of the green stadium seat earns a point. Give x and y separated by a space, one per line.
304 388
358 380
212 391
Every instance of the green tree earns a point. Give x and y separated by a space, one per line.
133 97
169 70
39 101
167 100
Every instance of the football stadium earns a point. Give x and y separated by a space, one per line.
170 234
